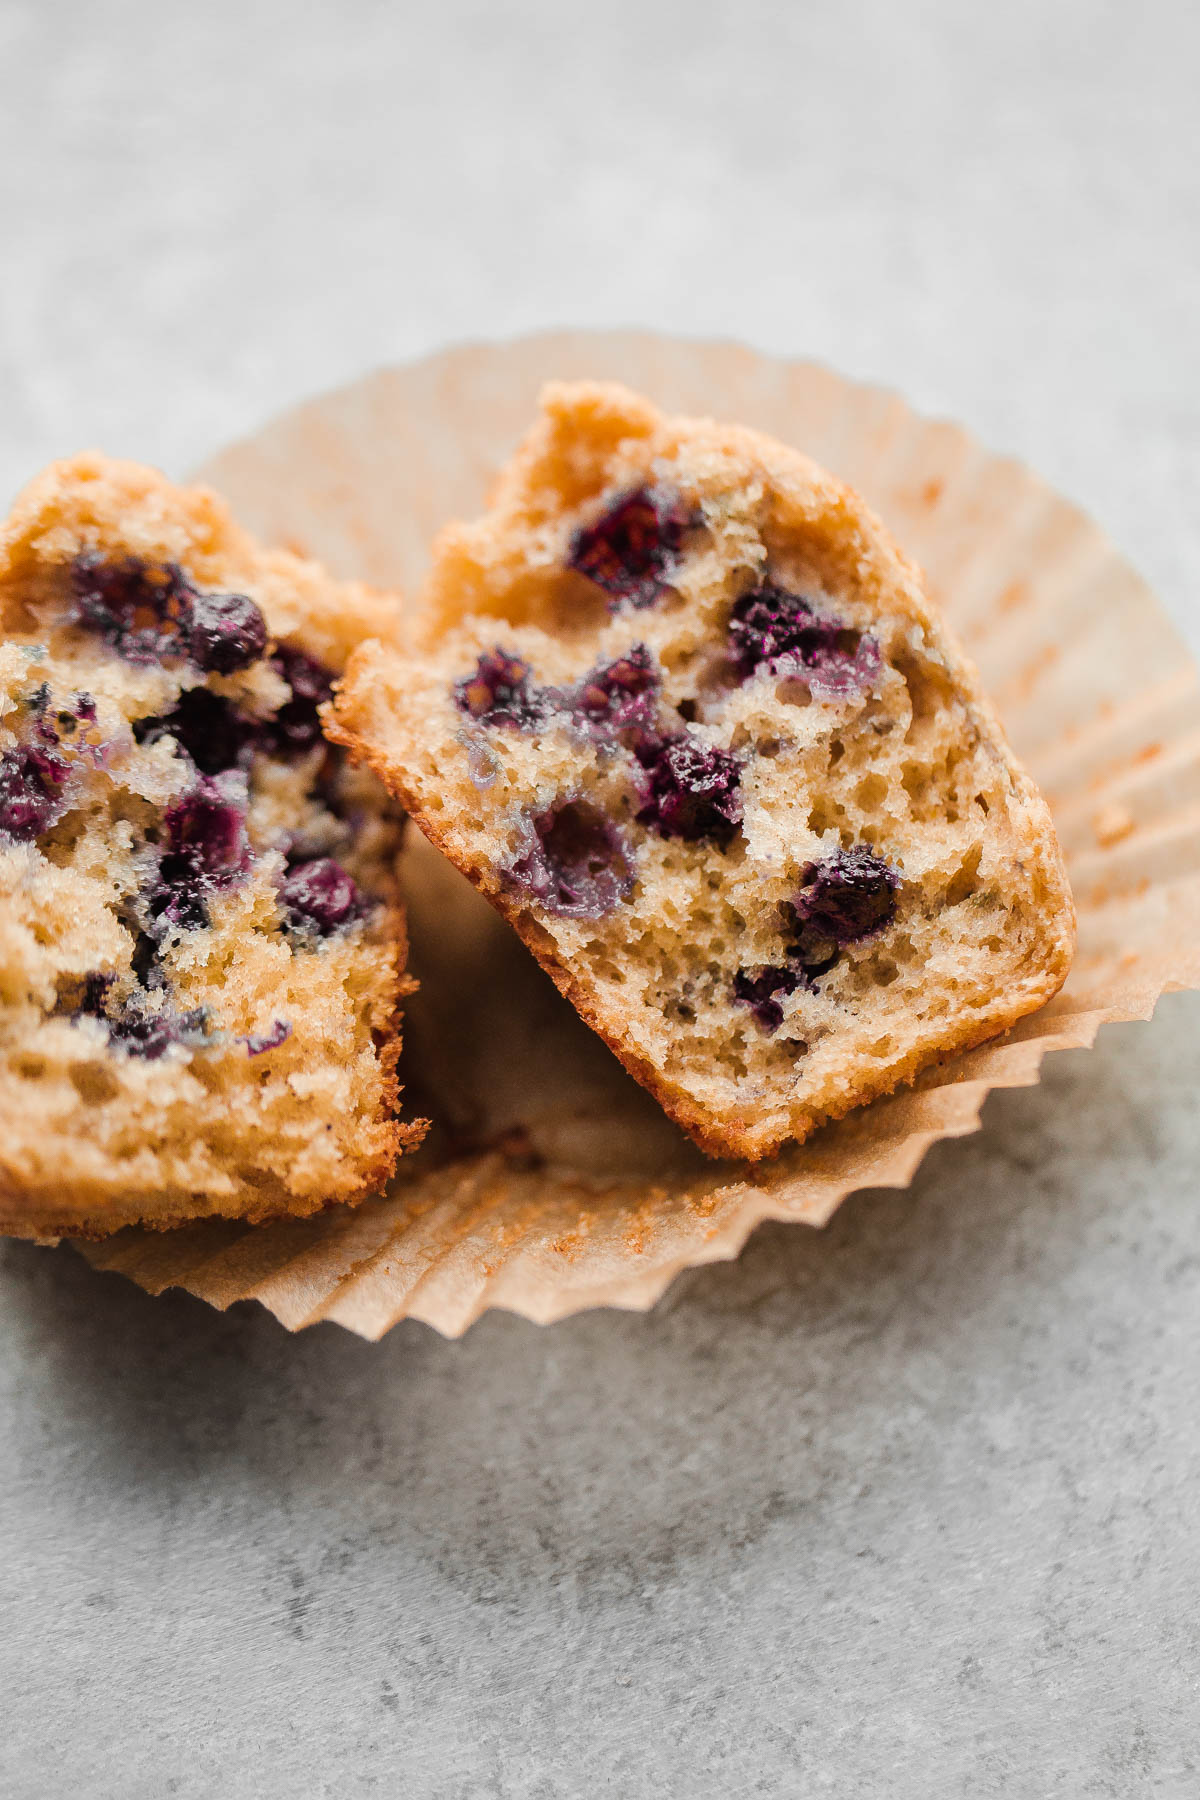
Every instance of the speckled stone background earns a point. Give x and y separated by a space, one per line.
905 1509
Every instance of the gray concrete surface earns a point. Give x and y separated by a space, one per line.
906 1509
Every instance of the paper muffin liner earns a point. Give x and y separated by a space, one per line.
550 1181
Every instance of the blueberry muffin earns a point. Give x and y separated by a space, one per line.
201 948
685 714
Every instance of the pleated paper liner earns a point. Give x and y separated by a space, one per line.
551 1182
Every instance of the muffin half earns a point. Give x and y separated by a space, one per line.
201 946
685 714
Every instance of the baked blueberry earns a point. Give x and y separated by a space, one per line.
574 862
848 896
616 696
501 692
212 731
31 796
632 549
224 632
320 897
259 1041
763 991
690 789
296 727
769 627
150 1035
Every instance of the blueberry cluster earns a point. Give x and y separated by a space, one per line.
217 735
148 612
574 860
610 700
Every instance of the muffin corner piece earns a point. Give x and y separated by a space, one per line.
683 711
202 950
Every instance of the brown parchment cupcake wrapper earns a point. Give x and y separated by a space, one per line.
551 1182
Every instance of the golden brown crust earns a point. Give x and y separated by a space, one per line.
502 580
96 1140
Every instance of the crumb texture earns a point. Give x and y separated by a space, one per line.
201 950
684 713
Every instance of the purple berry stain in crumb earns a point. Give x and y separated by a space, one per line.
573 862
150 1035
135 1028
30 793
95 992
319 897
616 696
149 611
772 628
763 991
690 790
500 692
296 726
632 549
842 900
259 1041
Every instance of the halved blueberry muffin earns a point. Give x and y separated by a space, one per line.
201 948
684 713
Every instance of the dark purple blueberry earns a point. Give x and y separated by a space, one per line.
207 726
615 696
691 790
208 833
296 727
500 692
574 862
772 628
30 793
224 632
206 851
631 550
151 1034
847 897
258 1041
320 897
83 706
137 607
759 990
